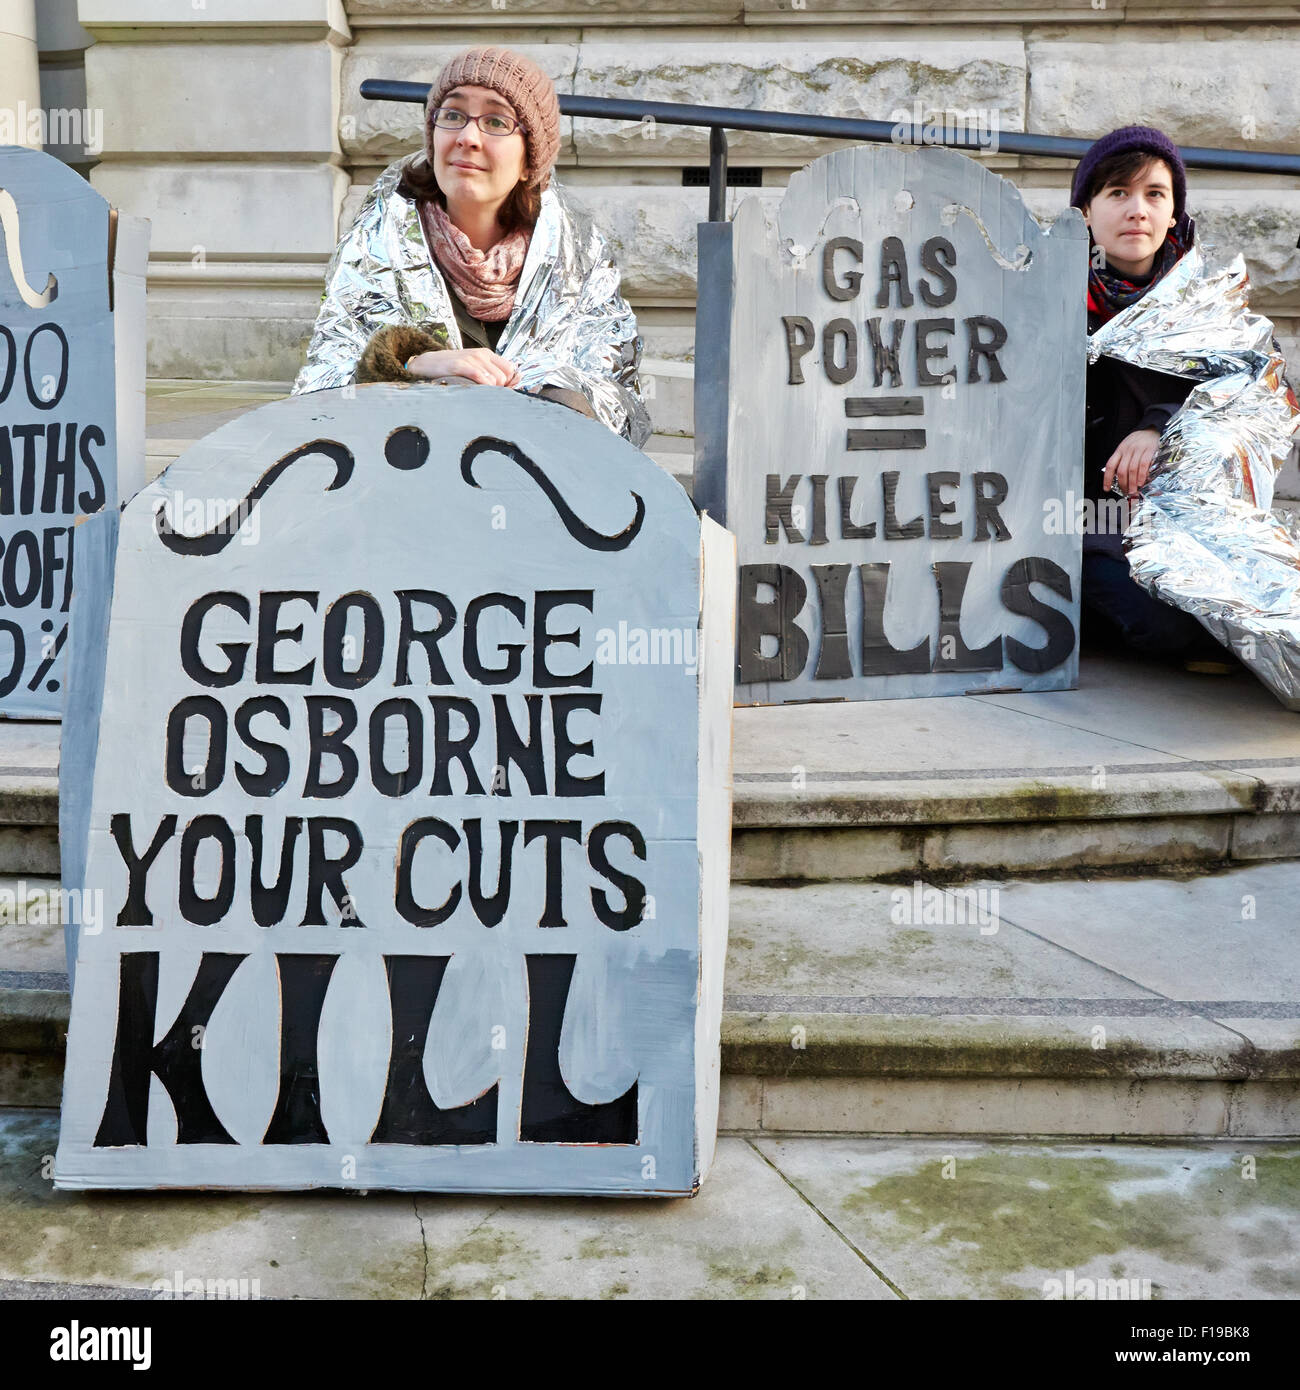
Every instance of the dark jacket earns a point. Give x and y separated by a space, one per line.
475 332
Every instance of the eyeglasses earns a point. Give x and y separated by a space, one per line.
492 123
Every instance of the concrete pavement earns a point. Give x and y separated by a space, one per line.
777 1219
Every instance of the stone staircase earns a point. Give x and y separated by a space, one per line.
1065 1007
1046 795
1067 914
1005 914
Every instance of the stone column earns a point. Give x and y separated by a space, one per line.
20 74
221 127
73 132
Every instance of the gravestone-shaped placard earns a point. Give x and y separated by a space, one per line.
902 432
58 407
405 743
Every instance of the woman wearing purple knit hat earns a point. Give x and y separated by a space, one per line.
466 262
1132 188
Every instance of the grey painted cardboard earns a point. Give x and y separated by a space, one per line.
79 736
717 649
130 344
1028 428
56 373
96 541
645 1002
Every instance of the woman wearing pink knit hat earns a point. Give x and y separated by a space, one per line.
467 263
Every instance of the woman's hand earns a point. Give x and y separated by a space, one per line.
476 364
1129 464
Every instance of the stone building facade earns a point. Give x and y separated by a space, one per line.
237 128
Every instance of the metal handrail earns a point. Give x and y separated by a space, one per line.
720 119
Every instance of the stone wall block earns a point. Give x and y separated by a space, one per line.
229 211
381 131
866 79
319 17
1236 90
484 13
216 98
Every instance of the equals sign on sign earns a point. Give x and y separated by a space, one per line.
863 407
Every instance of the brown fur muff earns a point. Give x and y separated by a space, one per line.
391 347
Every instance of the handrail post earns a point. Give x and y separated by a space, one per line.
717 174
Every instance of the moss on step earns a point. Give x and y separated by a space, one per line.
1002 1213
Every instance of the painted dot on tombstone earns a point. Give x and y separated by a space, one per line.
59 410
397 787
903 426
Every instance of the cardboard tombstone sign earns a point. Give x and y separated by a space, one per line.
407 795
58 406
903 427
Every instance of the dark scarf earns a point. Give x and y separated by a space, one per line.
1109 291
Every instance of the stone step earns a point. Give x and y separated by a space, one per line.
33 1035
1078 1008
1031 821
1147 1007
668 387
29 797
1142 767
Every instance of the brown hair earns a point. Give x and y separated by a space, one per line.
1119 169
521 209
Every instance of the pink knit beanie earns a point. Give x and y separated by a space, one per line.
523 84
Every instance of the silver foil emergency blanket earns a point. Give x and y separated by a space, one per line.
1203 537
569 326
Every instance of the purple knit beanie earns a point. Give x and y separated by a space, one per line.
1132 137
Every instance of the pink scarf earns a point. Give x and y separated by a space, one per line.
484 280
